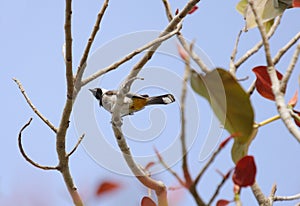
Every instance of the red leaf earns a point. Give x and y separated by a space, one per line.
263 82
245 172
293 100
107 187
193 9
177 11
222 203
296 3
147 201
149 165
224 142
297 122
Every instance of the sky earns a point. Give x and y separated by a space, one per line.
31 50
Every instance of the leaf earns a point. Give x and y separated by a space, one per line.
268 25
297 122
263 82
229 101
245 172
193 9
107 187
149 165
184 56
222 202
147 201
296 3
293 101
266 9
241 6
240 149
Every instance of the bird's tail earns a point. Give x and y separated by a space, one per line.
162 99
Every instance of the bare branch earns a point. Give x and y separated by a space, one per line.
287 75
208 163
284 49
259 195
174 23
279 96
35 110
68 42
183 42
232 69
24 153
157 186
76 146
84 57
220 185
165 165
129 56
286 198
185 169
252 51
251 88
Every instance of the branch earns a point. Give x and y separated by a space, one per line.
284 49
208 163
183 42
25 155
157 186
76 146
68 43
128 57
252 51
279 96
233 69
287 198
224 179
287 75
164 164
185 169
175 22
259 195
82 64
35 110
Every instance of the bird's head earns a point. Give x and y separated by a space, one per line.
97 92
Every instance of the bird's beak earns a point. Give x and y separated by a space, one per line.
93 91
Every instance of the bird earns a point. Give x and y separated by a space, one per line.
132 102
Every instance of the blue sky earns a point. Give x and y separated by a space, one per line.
31 45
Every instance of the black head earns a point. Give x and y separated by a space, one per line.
97 92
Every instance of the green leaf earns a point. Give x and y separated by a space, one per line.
241 6
230 103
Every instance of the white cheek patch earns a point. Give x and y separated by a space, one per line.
167 100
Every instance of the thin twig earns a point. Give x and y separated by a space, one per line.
76 146
251 88
173 24
183 42
184 153
208 163
279 96
82 64
220 185
252 51
25 155
35 110
128 57
287 75
284 49
233 69
182 183
286 198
